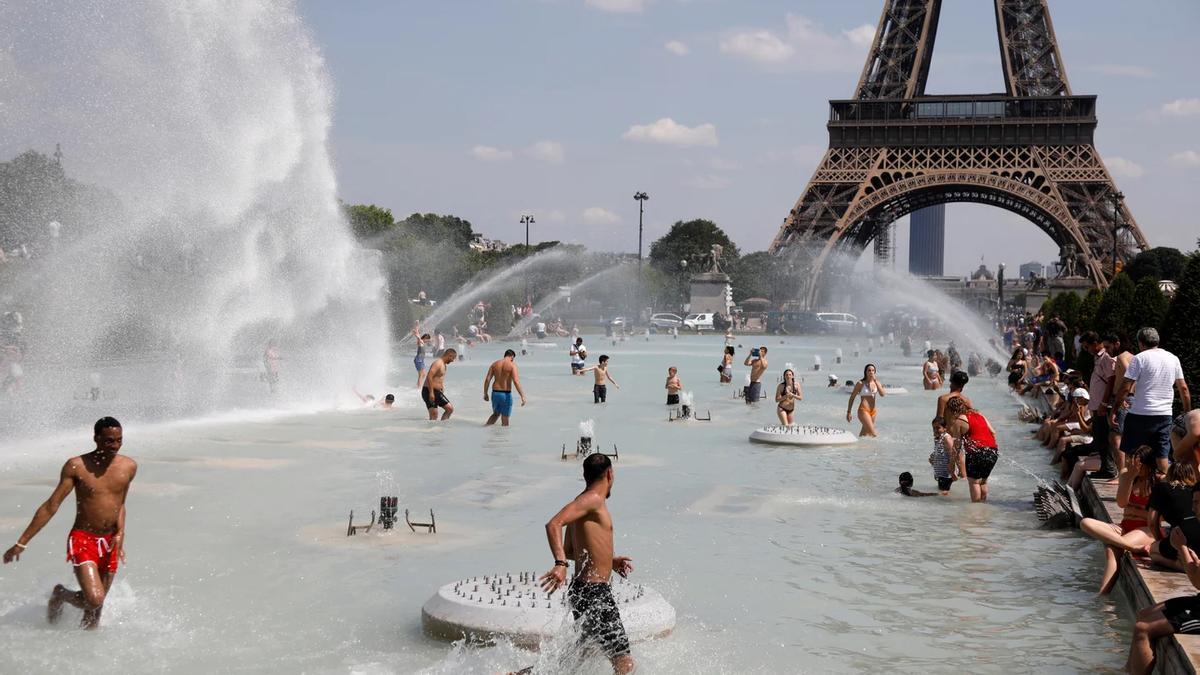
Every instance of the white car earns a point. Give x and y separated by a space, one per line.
838 322
698 322
666 320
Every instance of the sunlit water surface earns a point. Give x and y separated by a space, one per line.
777 559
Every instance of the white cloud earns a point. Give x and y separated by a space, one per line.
1181 107
670 132
1124 168
707 182
1187 159
677 48
804 45
863 36
551 152
489 154
1121 70
760 45
597 215
616 5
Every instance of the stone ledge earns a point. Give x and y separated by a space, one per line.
1145 585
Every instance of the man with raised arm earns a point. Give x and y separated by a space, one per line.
589 542
95 546
757 360
502 376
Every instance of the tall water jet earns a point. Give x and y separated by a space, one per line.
209 120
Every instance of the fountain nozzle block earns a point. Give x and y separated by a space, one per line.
387 511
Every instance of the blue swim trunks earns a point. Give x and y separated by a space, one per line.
502 403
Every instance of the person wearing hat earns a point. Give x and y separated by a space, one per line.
1075 442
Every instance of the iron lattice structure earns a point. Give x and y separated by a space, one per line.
893 149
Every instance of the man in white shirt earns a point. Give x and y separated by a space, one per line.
1158 375
1098 387
578 354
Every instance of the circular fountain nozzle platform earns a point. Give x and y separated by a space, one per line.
514 606
802 434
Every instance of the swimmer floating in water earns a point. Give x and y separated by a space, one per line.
369 400
906 487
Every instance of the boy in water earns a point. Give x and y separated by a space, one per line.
673 386
599 389
906 487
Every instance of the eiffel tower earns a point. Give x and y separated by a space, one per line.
893 150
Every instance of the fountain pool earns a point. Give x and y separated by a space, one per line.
776 559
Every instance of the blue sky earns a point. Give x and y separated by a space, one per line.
564 108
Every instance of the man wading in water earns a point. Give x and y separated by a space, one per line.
505 377
101 480
589 543
434 392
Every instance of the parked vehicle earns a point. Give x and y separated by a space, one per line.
795 323
698 322
618 322
839 322
666 320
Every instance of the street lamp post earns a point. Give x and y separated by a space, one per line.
1118 223
1000 293
641 198
527 220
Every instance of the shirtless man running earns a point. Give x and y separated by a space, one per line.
434 391
502 376
95 546
589 542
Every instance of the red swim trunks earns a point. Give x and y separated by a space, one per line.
84 547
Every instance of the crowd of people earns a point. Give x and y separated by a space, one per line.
1112 418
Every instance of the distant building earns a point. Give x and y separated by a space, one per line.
1032 268
927 241
481 243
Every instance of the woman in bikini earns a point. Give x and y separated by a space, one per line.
929 372
786 395
1134 533
726 367
867 389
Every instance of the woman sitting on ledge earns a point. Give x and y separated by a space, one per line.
1134 533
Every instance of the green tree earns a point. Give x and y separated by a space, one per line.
1116 308
1149 304
692 241
760 275
1089 308
1160 262
1180 333
367 220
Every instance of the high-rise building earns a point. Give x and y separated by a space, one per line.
1033 267
927 241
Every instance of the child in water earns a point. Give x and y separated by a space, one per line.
906 487
943 458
